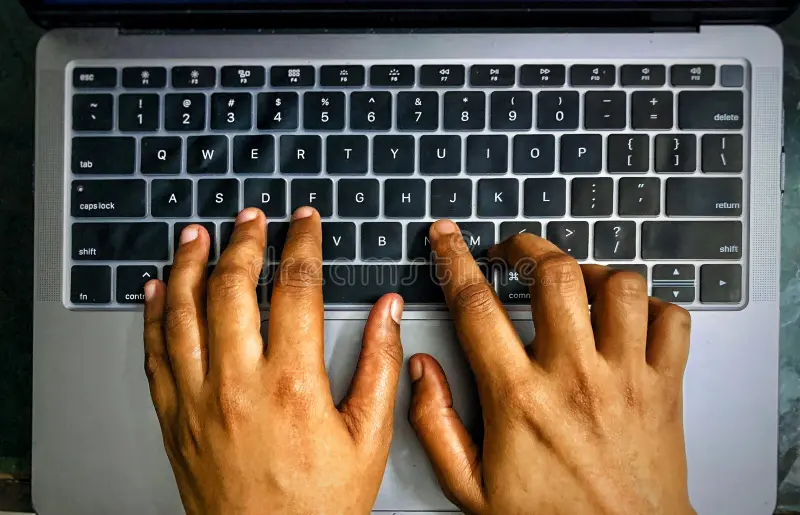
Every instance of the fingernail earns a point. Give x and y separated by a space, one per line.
149 291
442 228
397 310
247 215
415 369
303 212
189 234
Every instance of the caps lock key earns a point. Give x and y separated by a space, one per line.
109 198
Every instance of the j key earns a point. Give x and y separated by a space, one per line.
278 111
359 198
338 241
721 284
162 155
676 154
92 112
674 294
418 241
171 198
557 110
653 75
323 111
673 273
371 111
581 154
592 197
440 155
639 269
131 281
317 193
218 198
347 155
693 75
393 76
277 233
498 198
479 237
722 153
207 155
103 156
593 75
90 285
352 76
418 111
639 197
614 241
185 112
178 228
487 155
94 78
691 240
464 111
269 195
139 112
710 110
451 198
382 240
243 76
511 111
146 241
544 198
393 155
509 229
149 77
628 153
194 77
109 199
704 197
534 154
231 111
442 75
291 76
652 110
301 154
571 237
605 110
492 75
254 154
543 76
404 198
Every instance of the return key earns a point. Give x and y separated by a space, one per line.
704 197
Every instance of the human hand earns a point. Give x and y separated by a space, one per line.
589 420
253 429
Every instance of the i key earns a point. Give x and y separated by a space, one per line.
487 155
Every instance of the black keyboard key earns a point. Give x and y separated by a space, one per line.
146 241
207 155
691 240
722 153
92 112
404 198
147 77
171 198
166 271
704 197
178 228
693 75
440 155
646 75
509 229
162 155
231 111
345 76
498 198
317 193
243 76
393 76
268 195
418 241
185 112
639 197
534 154
543 76
278 111
710 110
464 111
451 198
96 78
676 153
592 197
139 113
513 287
393 155
615 241
218 198
347 155
131 281
90 285
628 153
495 75
301 154
109 198
479 237
581 154
359 198
674 294
731 75
511 111
593 75
605 110
419 284
442 75
371 111
225 235
674 274
103 156
292 76
571 237
652 110
277 232
338 241
324 111
382 240
254 154
487 154
674 283
184 77
557 110
417 111
721 284
544 198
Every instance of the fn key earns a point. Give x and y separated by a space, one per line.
90 285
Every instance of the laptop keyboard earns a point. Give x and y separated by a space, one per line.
639 166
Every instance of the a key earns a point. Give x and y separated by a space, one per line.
393 76
639 197
243 76
534 154
254 154
722 153
90 285
674 294
571 237
291 76
269 195
301 154
674 274
592 197
404 198
393 155
464 111
451 198
652 110
704 197
442 75
691 240
487 155
161 155
498 198
207 155
543 76
614 241
544 197
231 111
144 77
721 284
628 153
184 77
639 269
418 111
710 110
693 75
92 112
171 198
139 113
345 76
371 111
359 198
557 110
418 241
317 193
593 75
479 237
511 111
509 229
218 198
605 110
643 75
144 241
347 155
323 111
492 75
277 232
103 156
178 228
440 155
131 281
109 198
382 240
94 78
581 154
185 112
676 153
278 111
338 241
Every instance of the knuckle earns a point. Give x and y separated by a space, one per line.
229 285
153 363
233 401
678 316
292 392
627 285
560 271
180 317
474 298
299 274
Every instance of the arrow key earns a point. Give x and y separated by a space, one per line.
721 284
676 295
131 281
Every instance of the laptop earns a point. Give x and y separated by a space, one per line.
641 135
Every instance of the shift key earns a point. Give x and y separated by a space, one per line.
109 198
691 240
146 241
702 110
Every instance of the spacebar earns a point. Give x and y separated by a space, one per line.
365 284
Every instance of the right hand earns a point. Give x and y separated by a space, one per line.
589 420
